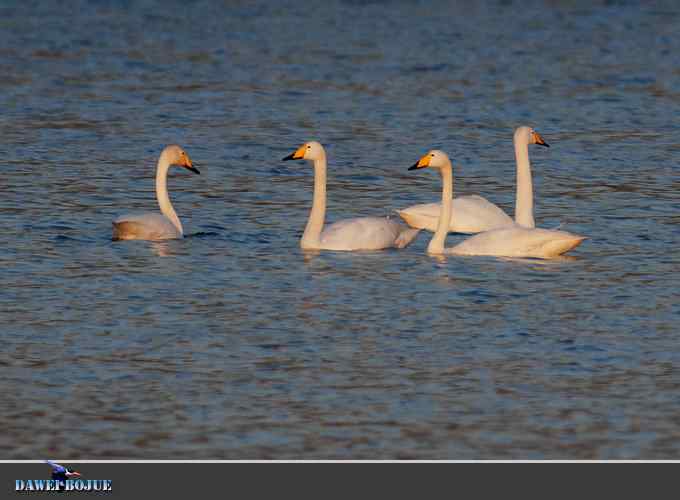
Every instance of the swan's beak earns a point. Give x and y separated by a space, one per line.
422 163
73 474
299 154
188 164
539 140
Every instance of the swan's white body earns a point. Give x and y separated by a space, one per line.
514 241
145 226
474 214
364 233
518 241
155 226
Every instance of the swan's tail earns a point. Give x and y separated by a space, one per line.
562 245
409 218
406 237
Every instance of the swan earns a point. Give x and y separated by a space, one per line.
524 199
154 226
474 214
513 241
364 233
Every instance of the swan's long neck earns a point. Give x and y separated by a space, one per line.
311 238
162 193
437 242
524 204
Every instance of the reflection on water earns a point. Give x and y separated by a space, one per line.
161 248
236 344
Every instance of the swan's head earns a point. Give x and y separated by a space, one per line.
528 135
308 151
175 155
434 158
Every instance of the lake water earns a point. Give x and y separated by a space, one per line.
234 344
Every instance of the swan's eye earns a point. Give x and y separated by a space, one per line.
432 155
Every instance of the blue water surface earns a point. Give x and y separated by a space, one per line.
234 344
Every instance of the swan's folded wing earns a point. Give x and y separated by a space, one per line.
474 214
470 214
144 226
362 233
519 241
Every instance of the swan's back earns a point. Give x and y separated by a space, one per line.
518 241
366 233
146 226
470 214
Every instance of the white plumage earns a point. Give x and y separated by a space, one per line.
155 226
364 233
471 214
514 241
475 214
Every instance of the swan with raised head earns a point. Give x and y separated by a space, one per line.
524 199
155 226
363 233
514 241
474 214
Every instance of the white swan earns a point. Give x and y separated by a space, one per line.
514 241
364 233
524 201
474 214
154 226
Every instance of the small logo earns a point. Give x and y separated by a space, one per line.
63 479
61 473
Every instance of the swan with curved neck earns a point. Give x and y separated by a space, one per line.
524 201
474 214
153 226
363 233
514 241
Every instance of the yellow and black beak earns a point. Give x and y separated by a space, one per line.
193 169
422 163
539 140
299 154
189 165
